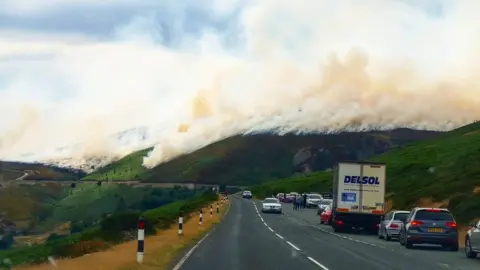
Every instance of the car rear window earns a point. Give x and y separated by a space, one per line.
401 216
271 201
314 196
431 215
326 202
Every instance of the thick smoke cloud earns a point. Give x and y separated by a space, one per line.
319 66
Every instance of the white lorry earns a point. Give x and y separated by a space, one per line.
358 195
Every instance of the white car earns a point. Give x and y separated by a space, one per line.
271 205
247 194
313 200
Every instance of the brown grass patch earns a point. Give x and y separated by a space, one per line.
476 190
388 205
429 202
475 132
24 240
160 249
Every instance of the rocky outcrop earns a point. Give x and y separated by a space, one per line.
322 157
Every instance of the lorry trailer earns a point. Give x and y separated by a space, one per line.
358 195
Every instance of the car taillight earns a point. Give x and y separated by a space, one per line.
339 222
451 224
432 210
393 226
416 223
377 226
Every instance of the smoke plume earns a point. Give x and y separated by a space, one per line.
314 66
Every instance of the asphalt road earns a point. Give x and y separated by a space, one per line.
247 239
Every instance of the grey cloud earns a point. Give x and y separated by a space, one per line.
103 21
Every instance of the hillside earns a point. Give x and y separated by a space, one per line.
12 170
37 213
244 160
443 170
38 208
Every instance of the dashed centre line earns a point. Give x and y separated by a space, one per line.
288 242
293 246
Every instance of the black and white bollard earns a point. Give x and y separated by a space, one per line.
218 208
211 210
180 223
201 217
141 238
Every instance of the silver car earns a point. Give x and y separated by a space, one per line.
430 226
271 205
391 224
313 200
472 240
323 204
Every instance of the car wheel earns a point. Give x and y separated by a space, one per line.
336 229
407 243
468 249
400 239
454 247
387 237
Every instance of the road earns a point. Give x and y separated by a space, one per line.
248 239
15 171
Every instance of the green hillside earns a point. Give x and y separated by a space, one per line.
12 170
445 168
36 209
244 160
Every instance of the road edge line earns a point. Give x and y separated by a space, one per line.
190 252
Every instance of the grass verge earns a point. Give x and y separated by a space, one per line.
111 231
160 249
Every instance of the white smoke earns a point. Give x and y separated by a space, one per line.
308 66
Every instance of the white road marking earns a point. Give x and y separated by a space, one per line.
293 246
290 243
317 263
345 237
189 253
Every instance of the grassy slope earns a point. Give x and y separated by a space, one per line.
40 208
161 218
37 171
445 168
243 160
105 199
21 203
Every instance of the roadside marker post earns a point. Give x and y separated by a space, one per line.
211 210
201 217
141 238
218 210
180 223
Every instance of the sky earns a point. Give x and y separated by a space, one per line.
77 71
